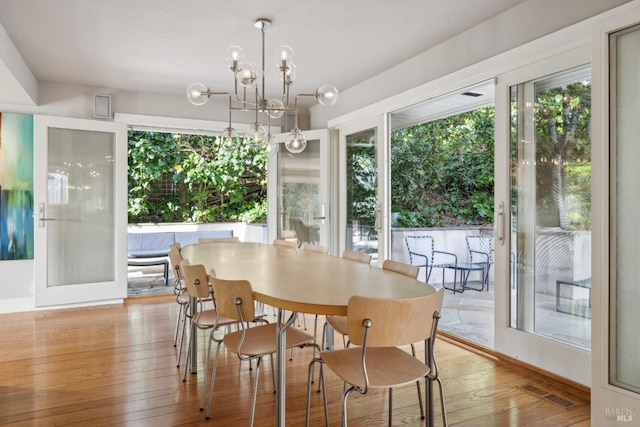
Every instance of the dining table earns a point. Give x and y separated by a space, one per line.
298 281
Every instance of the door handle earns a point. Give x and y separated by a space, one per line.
323 213
41 217
500 224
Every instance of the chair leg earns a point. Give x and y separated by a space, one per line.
413 352
390 405
213 380
206 371
320 381
255 392
175 336
184 327
443 405
345 395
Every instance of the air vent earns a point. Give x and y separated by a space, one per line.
547 395
472 94
559 400
533 389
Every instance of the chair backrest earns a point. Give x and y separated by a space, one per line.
316 248
175 260
394 322
196 279
285 243
480 244
227 292
401 267
233 239
301 230
175 246
422 246
357 256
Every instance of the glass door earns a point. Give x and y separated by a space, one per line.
298 197
80 204
543 225
363 215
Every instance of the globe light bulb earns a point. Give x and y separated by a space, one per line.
197 93
296 142
275 108
247 74
235 56
256 133
273 146
327 95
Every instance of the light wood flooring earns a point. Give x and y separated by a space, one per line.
116 366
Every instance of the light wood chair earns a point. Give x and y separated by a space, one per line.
234 299
401 267
316 248
234 239
175 247
285 243
339 323
182 298
378 327
197 283
357 256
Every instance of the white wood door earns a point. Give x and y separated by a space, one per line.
80 184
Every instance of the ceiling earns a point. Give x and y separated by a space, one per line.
162 46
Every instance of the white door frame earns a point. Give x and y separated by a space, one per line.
607 401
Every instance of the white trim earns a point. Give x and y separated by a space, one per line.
179 124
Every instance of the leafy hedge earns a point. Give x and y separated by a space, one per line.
193 178
442 171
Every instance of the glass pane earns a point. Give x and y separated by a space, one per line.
362 202
299 193
551 207
80 202
625 151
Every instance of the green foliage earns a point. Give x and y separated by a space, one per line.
442 171
192 178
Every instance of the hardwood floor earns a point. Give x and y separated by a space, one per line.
116 365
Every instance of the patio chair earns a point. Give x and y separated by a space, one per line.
423 255
481 252
305 233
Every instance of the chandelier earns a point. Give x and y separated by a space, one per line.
249 95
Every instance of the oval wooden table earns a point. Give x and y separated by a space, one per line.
301 281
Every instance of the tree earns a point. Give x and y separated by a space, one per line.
442 171
563 156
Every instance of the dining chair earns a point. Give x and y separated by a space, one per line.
182 297
379 327
339 323
197 282
234 239
234 300
175 247
357 256
316 248
401 267
285 243
422 253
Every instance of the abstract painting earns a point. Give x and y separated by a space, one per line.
16 186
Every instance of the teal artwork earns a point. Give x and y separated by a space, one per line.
16 186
